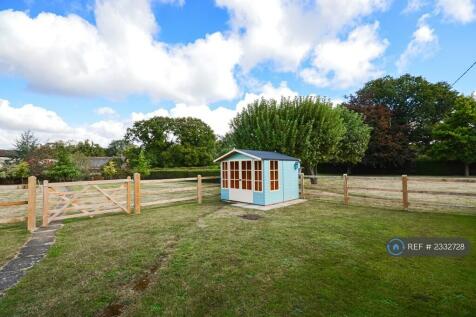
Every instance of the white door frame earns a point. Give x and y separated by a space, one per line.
240 194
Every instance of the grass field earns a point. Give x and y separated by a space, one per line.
312 259
12 237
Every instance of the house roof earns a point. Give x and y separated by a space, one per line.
96 162
8 153
259 155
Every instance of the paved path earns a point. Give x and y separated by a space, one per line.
31 253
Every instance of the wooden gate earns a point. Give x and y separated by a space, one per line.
83 199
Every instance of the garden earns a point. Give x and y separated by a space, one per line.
181 256
313 259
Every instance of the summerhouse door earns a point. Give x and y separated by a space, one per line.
241 181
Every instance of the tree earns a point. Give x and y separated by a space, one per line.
20 170
82 162
64 169
355 141
304 127
41 158
109 169
174 141
455 136
142 164
25 144
388 145
224 145
414 106
118 147
88 148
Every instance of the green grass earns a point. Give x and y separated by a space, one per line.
12 237
313 259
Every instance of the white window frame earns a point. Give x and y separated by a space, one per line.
227 173
277 180
254 179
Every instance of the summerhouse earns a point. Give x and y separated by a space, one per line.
259 177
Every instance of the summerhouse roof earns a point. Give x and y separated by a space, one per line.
259 155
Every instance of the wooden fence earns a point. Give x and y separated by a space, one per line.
419 193
66 200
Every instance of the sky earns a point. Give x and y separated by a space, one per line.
75 70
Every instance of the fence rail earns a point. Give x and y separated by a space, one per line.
418 193
66 200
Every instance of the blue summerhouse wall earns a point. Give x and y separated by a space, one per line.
224 194
291 180
272 196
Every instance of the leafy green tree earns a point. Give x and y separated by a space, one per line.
20 170
43 156
88 148
455 135
118 147
174 141
414 105
82 162
25 144
304 127
224 145
142 164
109 169
355 141
64 169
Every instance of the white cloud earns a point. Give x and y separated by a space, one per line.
176 2
284 32
423 44
120 55
116 57
346 63
461 11
30 117
414 6
219 118
267 91
49 126
105 111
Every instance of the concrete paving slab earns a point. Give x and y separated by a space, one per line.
269 207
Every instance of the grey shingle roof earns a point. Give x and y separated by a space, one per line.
266 155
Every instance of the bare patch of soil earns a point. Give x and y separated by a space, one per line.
251 217
112 310
139 285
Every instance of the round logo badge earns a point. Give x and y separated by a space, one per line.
395 247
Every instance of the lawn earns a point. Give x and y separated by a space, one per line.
312 259
12 237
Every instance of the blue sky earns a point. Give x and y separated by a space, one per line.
88 69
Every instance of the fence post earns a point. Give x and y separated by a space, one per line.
405 191
301 183
346 190
137 193
45 203
31 221
199 189
128 194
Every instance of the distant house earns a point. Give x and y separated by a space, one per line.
7 155
97 162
